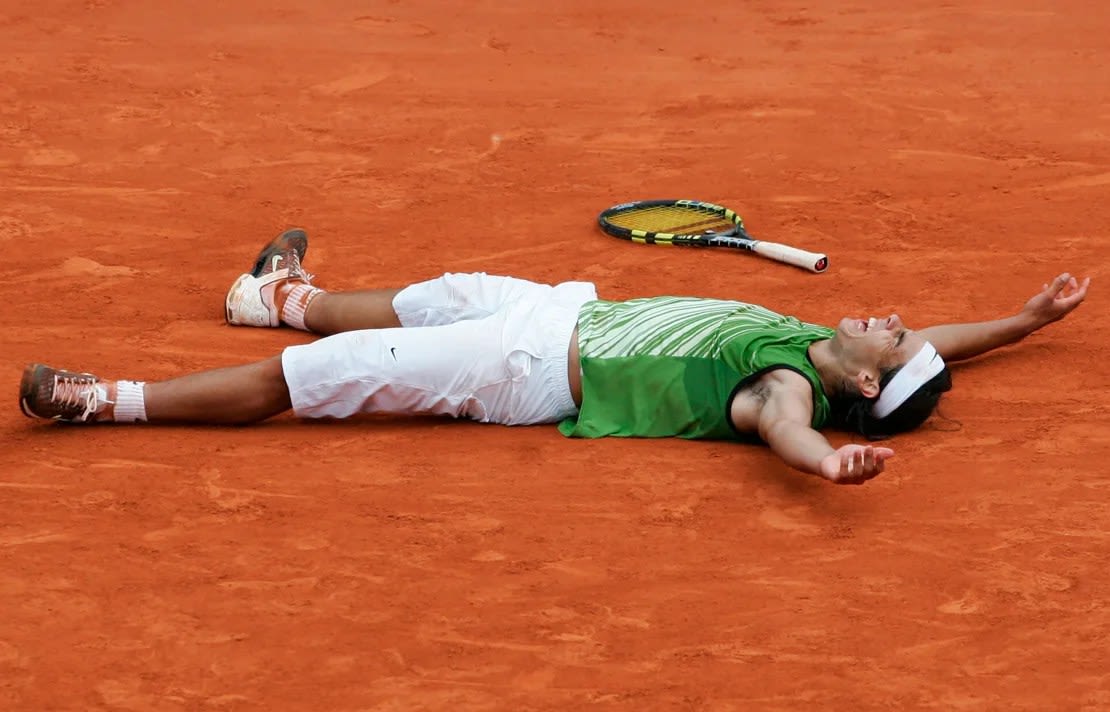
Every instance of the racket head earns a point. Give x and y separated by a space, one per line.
670 222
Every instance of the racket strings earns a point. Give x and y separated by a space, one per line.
672 219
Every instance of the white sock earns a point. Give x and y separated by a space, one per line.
130 402
296 304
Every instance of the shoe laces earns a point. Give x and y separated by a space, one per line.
296 271
76 391
291 263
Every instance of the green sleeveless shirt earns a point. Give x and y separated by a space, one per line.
670 366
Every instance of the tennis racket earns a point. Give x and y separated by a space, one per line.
697 224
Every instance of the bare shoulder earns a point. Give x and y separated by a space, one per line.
785 391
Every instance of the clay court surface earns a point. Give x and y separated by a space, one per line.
949 159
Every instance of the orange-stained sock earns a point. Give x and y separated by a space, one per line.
294 298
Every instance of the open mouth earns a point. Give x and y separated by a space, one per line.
872 324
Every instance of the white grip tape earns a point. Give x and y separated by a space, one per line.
811 261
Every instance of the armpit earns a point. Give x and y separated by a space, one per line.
753 393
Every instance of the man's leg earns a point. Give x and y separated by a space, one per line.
222 396
278 291
233 395
337 312
447 299
435 302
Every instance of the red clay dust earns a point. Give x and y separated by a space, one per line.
949 158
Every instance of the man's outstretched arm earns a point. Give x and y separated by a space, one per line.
784 425
956 342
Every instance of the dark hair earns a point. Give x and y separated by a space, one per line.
852 411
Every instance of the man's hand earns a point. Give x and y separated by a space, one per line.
1055 300
854 464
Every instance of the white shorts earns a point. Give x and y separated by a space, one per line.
492 349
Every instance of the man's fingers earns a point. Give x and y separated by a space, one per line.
1059 283
1078 294
860 463
874 462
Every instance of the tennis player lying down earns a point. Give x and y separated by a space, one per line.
504 350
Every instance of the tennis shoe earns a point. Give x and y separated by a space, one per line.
252 299
294 239
67 396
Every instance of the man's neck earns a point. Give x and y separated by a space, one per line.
824 359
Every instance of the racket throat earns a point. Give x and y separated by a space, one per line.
729 241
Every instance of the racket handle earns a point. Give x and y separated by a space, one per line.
811 261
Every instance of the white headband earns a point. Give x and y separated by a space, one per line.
916 373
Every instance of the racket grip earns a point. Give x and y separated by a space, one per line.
811 261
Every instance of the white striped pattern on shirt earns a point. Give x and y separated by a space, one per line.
671 326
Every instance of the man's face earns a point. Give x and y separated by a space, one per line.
876 343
